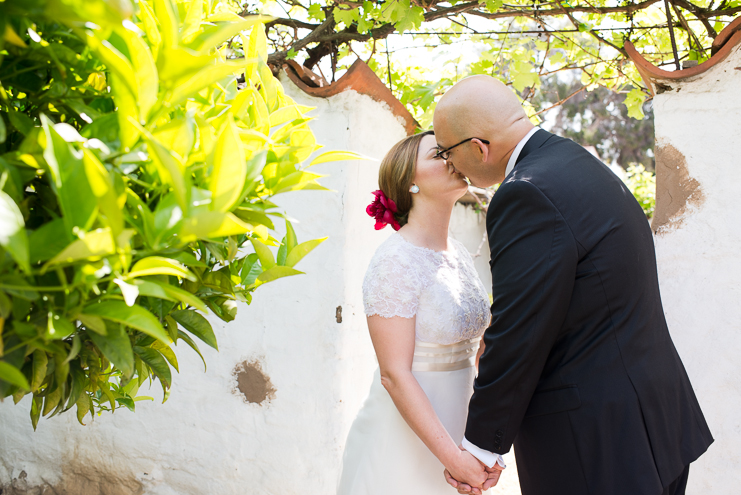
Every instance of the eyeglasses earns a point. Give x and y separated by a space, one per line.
445 153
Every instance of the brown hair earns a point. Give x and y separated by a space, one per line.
396 174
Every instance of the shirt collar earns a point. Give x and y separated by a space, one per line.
518 149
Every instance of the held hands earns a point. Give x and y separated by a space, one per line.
471 477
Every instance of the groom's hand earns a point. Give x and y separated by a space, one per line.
494 473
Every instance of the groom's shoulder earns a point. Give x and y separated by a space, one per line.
559 166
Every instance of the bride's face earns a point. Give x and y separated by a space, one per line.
434 178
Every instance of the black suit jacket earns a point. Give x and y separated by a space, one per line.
579 371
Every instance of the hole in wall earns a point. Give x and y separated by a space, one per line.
252 382
676 190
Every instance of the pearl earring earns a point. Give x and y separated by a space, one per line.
414 189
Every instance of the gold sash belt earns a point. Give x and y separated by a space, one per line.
439 357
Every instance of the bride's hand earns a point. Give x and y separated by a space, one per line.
467 472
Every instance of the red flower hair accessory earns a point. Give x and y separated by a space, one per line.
382 209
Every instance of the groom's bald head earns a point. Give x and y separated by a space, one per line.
481 107
479 103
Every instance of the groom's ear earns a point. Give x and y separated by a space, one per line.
483 149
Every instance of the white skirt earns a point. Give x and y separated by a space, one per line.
383 456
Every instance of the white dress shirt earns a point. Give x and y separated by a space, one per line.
486 457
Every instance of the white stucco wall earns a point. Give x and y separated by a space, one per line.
699 263
206 440
469 227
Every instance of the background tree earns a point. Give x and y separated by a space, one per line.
520 42
140 147
598 118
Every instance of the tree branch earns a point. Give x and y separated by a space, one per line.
292 23
560 10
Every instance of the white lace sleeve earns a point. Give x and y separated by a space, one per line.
392 284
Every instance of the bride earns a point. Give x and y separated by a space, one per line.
427 310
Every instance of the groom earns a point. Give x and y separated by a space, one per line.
579 371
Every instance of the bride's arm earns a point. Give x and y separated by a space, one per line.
393 340
482 347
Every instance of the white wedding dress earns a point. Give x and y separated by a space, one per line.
383 456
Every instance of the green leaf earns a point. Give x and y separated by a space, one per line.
12 375
167 352
277 272
158 265
154 288
40 362
336 156
94 323
282 252
48 240
52 400
264 253
74 350
145 71
296 181
302 250
167 15
291 239
407 17
256 48
13 232
116 347
91 246
315 12
196 324
214 34
20 121
184 336
188 259
36 411
58 327
192 21
212 225
178 135
134 317
204 78
345 16
126 402
171 171
229 169
156 362
114 61
250 270
83 407
634 101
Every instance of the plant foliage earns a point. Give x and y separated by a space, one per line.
519 41
642 184
140 145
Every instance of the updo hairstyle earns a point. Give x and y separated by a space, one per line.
396 174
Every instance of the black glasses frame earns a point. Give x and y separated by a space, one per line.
445 153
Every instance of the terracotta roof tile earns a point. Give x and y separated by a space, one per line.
359 77
722 46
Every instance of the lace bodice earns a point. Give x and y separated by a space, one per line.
442 289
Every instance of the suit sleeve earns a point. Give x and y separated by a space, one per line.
533 265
